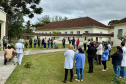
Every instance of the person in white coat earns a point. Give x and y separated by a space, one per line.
123 63
99 53
68 64
19 47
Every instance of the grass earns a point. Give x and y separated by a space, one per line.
49 69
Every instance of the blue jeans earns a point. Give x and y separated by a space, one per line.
34 45
116 69
79 72
44 45
55 45
73 45
77 47
48 45
38 44
51 45
122 72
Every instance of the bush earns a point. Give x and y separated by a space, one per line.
28 64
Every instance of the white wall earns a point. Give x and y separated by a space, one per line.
119 26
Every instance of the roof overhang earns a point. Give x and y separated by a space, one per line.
70 35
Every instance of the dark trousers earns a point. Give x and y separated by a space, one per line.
63 45
90 61
109 55
39 45
66 73
5 60
84 46
26 45
104 64
51 45
30 45
99 59
4 46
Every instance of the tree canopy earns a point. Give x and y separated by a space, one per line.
24 7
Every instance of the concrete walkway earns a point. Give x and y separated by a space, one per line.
6 70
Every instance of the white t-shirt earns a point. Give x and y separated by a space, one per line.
19 47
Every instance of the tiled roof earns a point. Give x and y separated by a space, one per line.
73 23
69 35
121 21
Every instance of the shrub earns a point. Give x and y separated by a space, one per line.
28 64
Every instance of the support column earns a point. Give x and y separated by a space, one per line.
3 27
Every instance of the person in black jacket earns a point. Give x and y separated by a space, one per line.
91 51
116 60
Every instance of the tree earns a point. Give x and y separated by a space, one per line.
42 21
15 26
25 7
112 22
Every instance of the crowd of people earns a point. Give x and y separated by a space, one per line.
41 43
98 51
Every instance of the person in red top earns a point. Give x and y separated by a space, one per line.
77 43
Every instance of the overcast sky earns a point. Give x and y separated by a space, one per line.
100 10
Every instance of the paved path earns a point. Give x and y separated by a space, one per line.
6 70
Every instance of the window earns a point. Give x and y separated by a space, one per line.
120 31
49 32
65 32
45 32
78 32
71 32
101 32
86 31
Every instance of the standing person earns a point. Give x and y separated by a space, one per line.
38 42
8 54
26 43
52 42
30 42
4 43
48 43
63 42
55 43
99 53
105 57
116 61
77 43
85 44
88 43
68 64
80 62
35 41
95 46
91 51
69 41
123 63
109 48
19 47
73 42
45 42
42 43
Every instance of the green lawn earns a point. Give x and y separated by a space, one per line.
49 69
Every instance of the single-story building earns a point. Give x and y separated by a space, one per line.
119 30
82 28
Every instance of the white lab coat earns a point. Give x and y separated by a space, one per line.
99 50
123 63
69 55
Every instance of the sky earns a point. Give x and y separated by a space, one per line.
100 10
